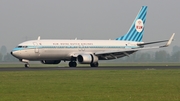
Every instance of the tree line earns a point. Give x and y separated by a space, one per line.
147 56
6 56
158 56
154 56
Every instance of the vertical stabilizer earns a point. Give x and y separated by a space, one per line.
136 30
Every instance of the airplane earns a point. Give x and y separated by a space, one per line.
54 51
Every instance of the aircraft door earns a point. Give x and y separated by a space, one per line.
36 50
127 45
81 48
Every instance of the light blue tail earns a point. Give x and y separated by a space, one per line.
136 30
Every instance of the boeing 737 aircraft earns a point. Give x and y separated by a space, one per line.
87 51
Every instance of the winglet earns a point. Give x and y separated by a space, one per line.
170 40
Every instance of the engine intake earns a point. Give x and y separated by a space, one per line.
87 58
50 61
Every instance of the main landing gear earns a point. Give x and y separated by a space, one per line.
26 62
72 64
95 64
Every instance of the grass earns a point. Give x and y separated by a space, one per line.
90 85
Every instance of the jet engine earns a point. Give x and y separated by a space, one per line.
87 58
50 61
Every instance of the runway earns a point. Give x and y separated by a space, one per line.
89 68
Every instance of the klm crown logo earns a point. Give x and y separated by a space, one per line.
139 25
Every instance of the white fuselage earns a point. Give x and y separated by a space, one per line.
64 49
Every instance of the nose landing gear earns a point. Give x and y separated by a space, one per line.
27 65
25 61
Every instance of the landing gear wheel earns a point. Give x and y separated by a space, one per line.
94 64
26 65
72 64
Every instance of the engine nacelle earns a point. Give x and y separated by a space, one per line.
50 61
87 58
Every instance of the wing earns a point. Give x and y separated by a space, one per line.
147 43
106 55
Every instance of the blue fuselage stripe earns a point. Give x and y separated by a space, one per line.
72 47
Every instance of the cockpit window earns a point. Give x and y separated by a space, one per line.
21 46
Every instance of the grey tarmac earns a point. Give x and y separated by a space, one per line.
89 68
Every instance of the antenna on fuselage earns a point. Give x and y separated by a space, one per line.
39 38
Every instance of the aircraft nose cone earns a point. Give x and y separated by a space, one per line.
14 53
11 53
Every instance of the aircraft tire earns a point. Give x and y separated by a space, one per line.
72 64
27 65
94 64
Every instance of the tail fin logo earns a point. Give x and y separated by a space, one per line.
139 25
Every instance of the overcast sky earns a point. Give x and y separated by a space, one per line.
22 20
